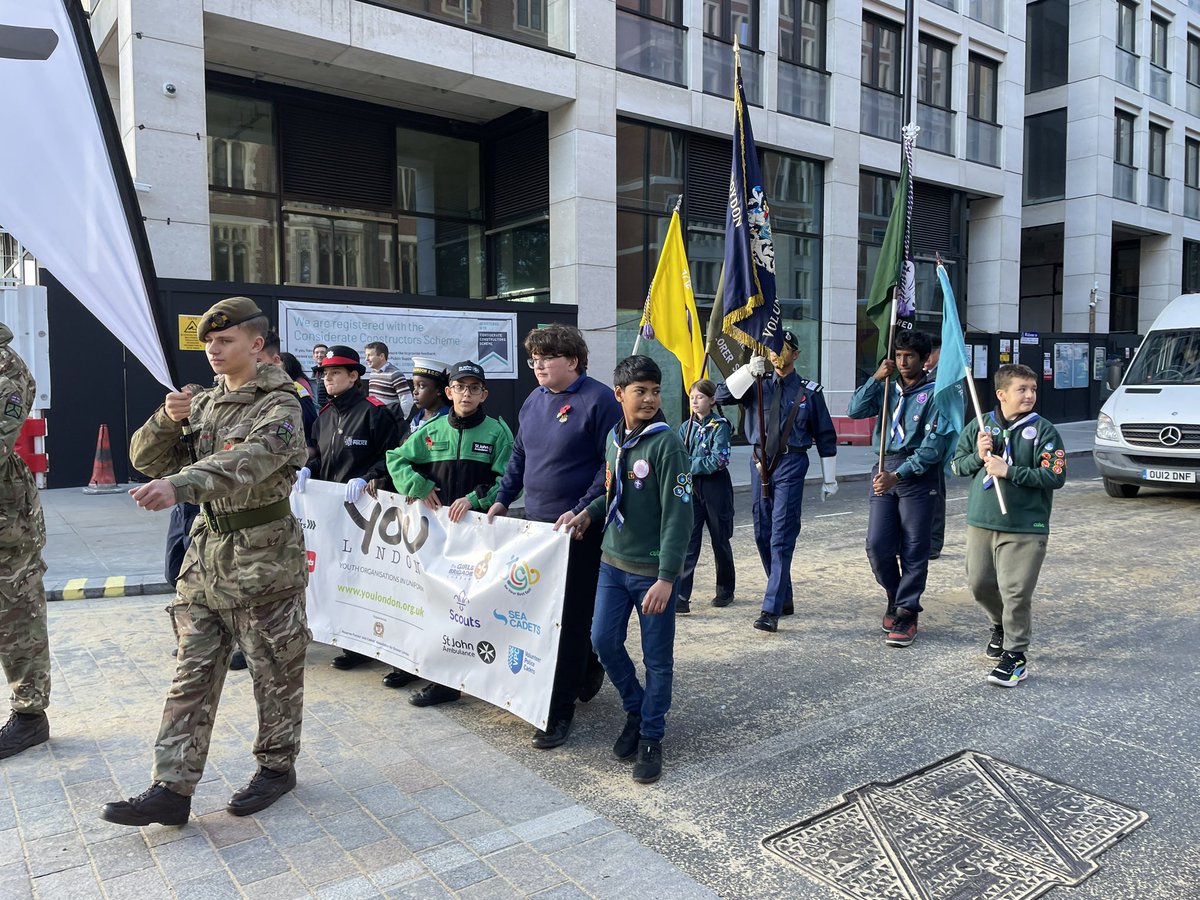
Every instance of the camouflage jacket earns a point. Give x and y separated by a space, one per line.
249 442
21 521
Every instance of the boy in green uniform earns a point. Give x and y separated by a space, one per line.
646 514
1005 552
461 456
243 576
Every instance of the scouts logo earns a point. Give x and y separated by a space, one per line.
922 397
521 576
12 409
516 659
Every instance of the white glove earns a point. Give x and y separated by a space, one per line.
758 366
739 381
301 480
829 485
354 489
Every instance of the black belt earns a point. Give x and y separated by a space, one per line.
247 518
793 449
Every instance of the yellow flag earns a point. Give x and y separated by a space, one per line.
671 308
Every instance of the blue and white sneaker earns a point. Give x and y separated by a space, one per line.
1010 671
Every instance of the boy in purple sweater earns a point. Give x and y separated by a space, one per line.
558 460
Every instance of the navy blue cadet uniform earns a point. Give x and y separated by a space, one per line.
898 528
777 517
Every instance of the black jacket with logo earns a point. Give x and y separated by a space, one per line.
352 434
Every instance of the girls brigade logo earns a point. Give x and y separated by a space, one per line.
521 576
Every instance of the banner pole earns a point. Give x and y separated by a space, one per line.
979 419
883 413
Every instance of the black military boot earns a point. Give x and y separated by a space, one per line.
264 788
156 804
22 731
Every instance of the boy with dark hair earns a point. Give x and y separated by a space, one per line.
460 456
243 575
1024 450
903 493
646 515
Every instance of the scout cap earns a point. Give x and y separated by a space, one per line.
429 368
467 369
339 355
789 340
226 314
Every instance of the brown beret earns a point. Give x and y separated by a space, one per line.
227 313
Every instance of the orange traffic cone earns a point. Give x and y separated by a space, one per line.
104 481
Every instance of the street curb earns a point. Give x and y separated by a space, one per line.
104 587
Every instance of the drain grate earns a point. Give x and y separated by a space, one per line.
970 827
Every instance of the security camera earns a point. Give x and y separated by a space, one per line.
169 88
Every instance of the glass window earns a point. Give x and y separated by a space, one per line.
1157 163
520 258
1193 60
1123 125
437 174
1158 42
1127 26
1047 31
243 237
649 167
1191 163
241 142
338 251
1191 267
1045 156
933 73
982 79
727 19
667 10
882 56
802 32
794 188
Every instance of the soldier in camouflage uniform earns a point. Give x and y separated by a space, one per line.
24 648
243 577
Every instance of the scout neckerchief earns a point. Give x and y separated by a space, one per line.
625 441
897 434
1003 431
704 430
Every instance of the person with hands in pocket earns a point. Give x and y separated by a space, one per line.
352 434
793 413
455 461
243 576
646 516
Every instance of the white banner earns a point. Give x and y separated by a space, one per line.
443 334
474 606
58 192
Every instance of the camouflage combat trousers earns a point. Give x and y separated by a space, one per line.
24 646
274 637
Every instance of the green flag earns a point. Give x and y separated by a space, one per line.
889 268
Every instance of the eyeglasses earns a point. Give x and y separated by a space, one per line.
535 361
473 389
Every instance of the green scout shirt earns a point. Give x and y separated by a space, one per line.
924 441
656 500
1038 468
250 443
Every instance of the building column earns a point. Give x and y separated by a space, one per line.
583 189
839 294
1087 262
1161 276
994 262
165 132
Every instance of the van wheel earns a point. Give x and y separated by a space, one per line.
1120 491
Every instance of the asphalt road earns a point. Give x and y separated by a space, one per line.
767 730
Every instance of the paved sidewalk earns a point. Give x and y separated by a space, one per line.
102 545
392 800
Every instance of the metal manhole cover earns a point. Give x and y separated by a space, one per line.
969 826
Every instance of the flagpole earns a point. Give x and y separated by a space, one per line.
979 418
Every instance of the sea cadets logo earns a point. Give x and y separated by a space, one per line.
517 619
521 576
520 660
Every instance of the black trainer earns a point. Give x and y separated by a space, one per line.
789 609
237 661
157 804
398 678
722 599
627 744
683 607
349 660
1010 671
433 694
264 788
648 768
555 735
767 622
995 644
22 731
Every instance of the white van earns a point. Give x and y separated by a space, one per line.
1148 432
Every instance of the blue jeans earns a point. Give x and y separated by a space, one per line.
618 593
898 527
777 526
